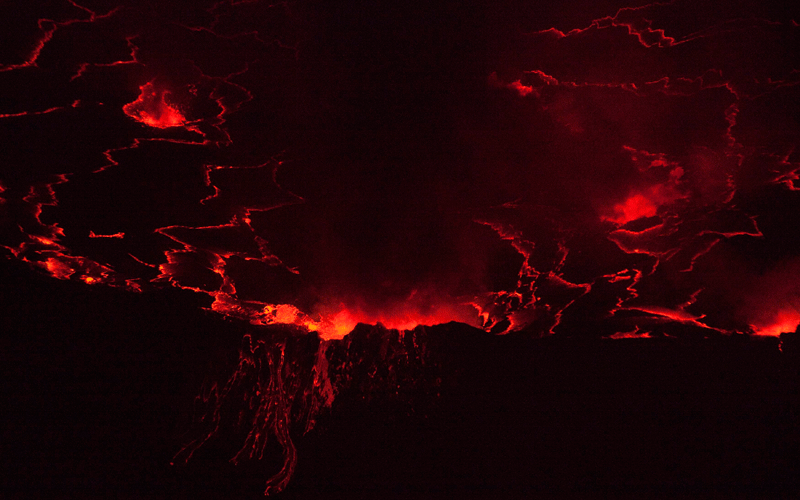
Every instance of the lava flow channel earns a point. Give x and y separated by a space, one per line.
548 171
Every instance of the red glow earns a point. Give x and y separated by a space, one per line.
58 268
635 334
399 318
634 207
522 89
599 175
152 108
516 86
786 320
645 203
677 315
115 235
336 323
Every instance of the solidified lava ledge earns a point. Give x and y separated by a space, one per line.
581 171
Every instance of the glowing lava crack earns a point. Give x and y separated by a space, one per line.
306 169
153 109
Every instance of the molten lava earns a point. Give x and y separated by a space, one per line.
785 321
616 173
635 207
338 325
334 323
153 109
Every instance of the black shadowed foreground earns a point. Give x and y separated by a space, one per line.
98 390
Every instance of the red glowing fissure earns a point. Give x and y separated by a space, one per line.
601 180
153 108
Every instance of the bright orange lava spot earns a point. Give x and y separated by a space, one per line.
784 321
645 202
519 87
635 207
115 235
636 334
152 109
399 317
43 240
58 269
337 325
